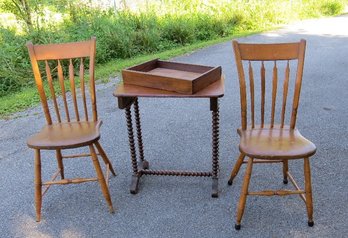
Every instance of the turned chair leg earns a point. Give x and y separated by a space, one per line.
104 157
236 168
244 193
285 171
60 163
308 190
38 185
101 179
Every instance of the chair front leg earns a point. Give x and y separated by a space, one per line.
236 168
104 157
101 179
308 190
285 171
38 184
244 193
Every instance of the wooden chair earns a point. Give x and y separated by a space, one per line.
69 133
271 143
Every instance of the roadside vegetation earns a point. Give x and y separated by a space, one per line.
130 32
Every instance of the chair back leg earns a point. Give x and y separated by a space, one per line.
285 171
236 168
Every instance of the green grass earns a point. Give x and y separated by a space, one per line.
18 101
159 26
113 67
28 97
162 29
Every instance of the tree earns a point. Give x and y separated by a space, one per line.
21 9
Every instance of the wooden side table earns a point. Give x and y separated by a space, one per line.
128 95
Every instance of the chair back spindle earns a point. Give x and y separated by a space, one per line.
252 97
62 87
53 94
60 55
82 86
285 93
274 58
263 95
274 91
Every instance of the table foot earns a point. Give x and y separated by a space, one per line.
215 188
144 164
134 188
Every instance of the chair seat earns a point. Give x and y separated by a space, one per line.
65 135
275 143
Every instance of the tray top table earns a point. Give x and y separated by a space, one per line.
128 95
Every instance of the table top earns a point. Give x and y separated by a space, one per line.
216 89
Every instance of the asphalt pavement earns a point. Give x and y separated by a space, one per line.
177 135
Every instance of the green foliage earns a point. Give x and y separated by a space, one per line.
14 62
164 25
21 9
178 30
315 8
28 96
330 8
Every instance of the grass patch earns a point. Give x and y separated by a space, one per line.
29 97
112 68
158 29
18 101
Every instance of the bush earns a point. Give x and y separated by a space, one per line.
178 29
127 34
332 8
14 62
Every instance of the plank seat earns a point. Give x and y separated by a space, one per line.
275 143
65 135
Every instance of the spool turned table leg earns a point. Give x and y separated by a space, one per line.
143 167
214 107
144 164
136 175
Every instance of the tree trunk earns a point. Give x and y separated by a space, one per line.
27 14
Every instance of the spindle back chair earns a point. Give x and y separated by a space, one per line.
271 143
59 53
71 129
274 53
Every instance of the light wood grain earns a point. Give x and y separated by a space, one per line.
72 88
252 95
272 143
285 93
53 94
72 133
83 88
263 93
274 92
62 87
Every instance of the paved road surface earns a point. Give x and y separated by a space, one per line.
177 134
